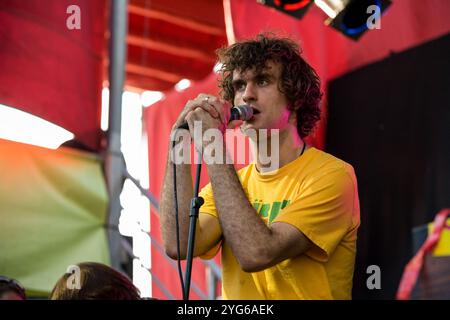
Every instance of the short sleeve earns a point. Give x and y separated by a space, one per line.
323 211
209 207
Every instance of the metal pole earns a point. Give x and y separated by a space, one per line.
196 203
114 162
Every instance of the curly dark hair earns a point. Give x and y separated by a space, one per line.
299 81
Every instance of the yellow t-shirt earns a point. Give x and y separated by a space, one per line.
317 193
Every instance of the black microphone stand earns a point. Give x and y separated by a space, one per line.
196 203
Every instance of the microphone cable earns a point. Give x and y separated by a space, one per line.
177 224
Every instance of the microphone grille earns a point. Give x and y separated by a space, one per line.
245 112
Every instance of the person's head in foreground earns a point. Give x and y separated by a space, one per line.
11 289
269 74
97 282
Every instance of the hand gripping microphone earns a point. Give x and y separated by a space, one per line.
243 112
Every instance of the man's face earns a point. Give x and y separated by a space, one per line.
260 91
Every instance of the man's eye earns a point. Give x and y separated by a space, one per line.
263 82
239 87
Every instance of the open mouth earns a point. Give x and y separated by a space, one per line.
256 111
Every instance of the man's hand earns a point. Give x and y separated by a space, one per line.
212 112
206 108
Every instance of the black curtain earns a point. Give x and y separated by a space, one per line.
391 121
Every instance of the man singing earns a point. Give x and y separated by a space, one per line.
285 233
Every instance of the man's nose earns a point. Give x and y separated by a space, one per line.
249 93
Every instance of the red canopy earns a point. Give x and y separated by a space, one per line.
51 71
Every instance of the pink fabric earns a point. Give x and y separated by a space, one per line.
414 266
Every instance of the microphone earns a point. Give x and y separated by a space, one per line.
243 112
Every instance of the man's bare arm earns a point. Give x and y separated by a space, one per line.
167 207
208 232
208 228
255 245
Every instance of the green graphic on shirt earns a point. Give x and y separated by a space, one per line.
273 208
264 212
256 205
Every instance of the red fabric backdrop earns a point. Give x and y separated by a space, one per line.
407 23
51 71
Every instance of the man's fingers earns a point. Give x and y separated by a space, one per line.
221 108
210 109
206 103
203 101
195 114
